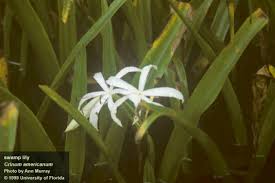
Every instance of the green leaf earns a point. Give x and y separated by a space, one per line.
208 89
76 140
235 113
165 45
206 48
200 11
85 124
108 50
149 165
39 40
29 127
82 43
181 73
8 127
143 129
231 10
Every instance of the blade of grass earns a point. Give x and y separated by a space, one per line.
39 40
82 43
109 51
182 77
231 10
199 15
85 124
208 89
76 140
149 168
29 127
8 127
206 48
165 45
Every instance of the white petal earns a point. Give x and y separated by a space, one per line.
88 107
101 81
135 99
164 92
150 101
72 125
121 101
143 76
113 110
113 81
126 70
88 96
94 114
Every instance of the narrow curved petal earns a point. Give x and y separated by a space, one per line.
88 96
72 125
143 76
164 92
113 81
135 99
101 81
113 110
150 101
88 107
95 110
127 70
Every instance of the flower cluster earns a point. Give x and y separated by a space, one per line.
91 103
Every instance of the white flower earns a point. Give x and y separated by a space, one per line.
99 98
136 95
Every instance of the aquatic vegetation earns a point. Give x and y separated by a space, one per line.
141 90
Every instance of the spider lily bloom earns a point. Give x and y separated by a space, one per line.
136 95
99 98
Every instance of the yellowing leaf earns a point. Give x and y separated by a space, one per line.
8 126
66 10
3 71
271 70
10 114
267 70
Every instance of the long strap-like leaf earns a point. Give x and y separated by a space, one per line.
208 89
